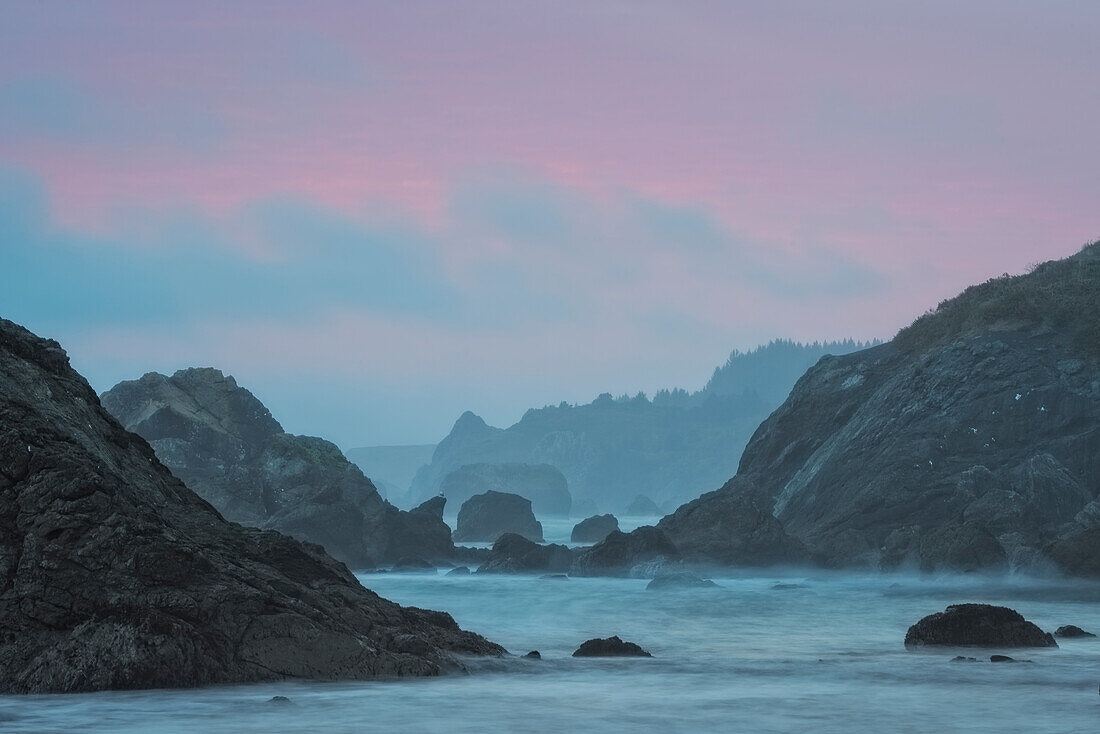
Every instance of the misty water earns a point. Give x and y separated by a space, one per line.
763 652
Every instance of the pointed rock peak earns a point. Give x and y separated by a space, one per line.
433 507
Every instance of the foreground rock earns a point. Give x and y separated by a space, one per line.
679 580
485 517
611 647
971 441
977 625
621 554
516 554
544 485
1070 631
594 529
226 446
114 575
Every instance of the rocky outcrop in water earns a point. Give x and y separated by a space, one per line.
611 647
642 552
513 553
544 485
1071 631
678 580
593 529
225 445
486 517
971 441
113 574
977 625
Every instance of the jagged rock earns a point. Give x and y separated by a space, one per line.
680 580
514 553
225 445
977 625
488 516
620 552
732 526
113 574
611 647
1071 631
459 571
642 506
593 529
544 485
982 416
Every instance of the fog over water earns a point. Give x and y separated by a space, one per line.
767 651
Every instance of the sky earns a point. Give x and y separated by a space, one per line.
377 215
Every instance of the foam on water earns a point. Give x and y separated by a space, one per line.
821 653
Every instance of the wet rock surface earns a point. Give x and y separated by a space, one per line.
610 647
977 625
487 516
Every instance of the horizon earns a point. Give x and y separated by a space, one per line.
380 216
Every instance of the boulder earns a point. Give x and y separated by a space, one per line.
593 529
1070 631
611 647
544 485
678 580
619 553
642 506
533 655
977 625
225 445
115 575
485 517
514 553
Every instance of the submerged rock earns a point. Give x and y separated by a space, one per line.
1071 631
678 580
977 625
619 553
610 647
515 554
117 576
594 529
486 517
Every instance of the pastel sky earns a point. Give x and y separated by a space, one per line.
378 215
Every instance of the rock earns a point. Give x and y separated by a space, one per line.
555 577
977 625
963 659
642 506
279 699
1071 631
968 422
681 580
958 546
486 517
732 526
410 564
593 529
117 576
544 485
226 446
534 655
619 552
1001 659
515 554
611 647
459 571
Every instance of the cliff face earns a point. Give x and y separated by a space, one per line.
972 440
225 445
113 574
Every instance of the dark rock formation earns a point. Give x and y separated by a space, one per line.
486 517
225 445
678 580
544 485
611 647
619 553
1070 631
459 571
642 506
977 625
977 426
113 574
534 655
514 553
734 526
1001 659
593 529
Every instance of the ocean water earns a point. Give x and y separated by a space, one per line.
763 652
